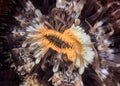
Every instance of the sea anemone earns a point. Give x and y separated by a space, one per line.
71 43
64 42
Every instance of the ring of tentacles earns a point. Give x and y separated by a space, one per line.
73 42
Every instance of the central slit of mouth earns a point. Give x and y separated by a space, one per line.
57 42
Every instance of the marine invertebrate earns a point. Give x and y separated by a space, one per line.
67 41
73 43
59 41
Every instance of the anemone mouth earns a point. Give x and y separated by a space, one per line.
56 41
